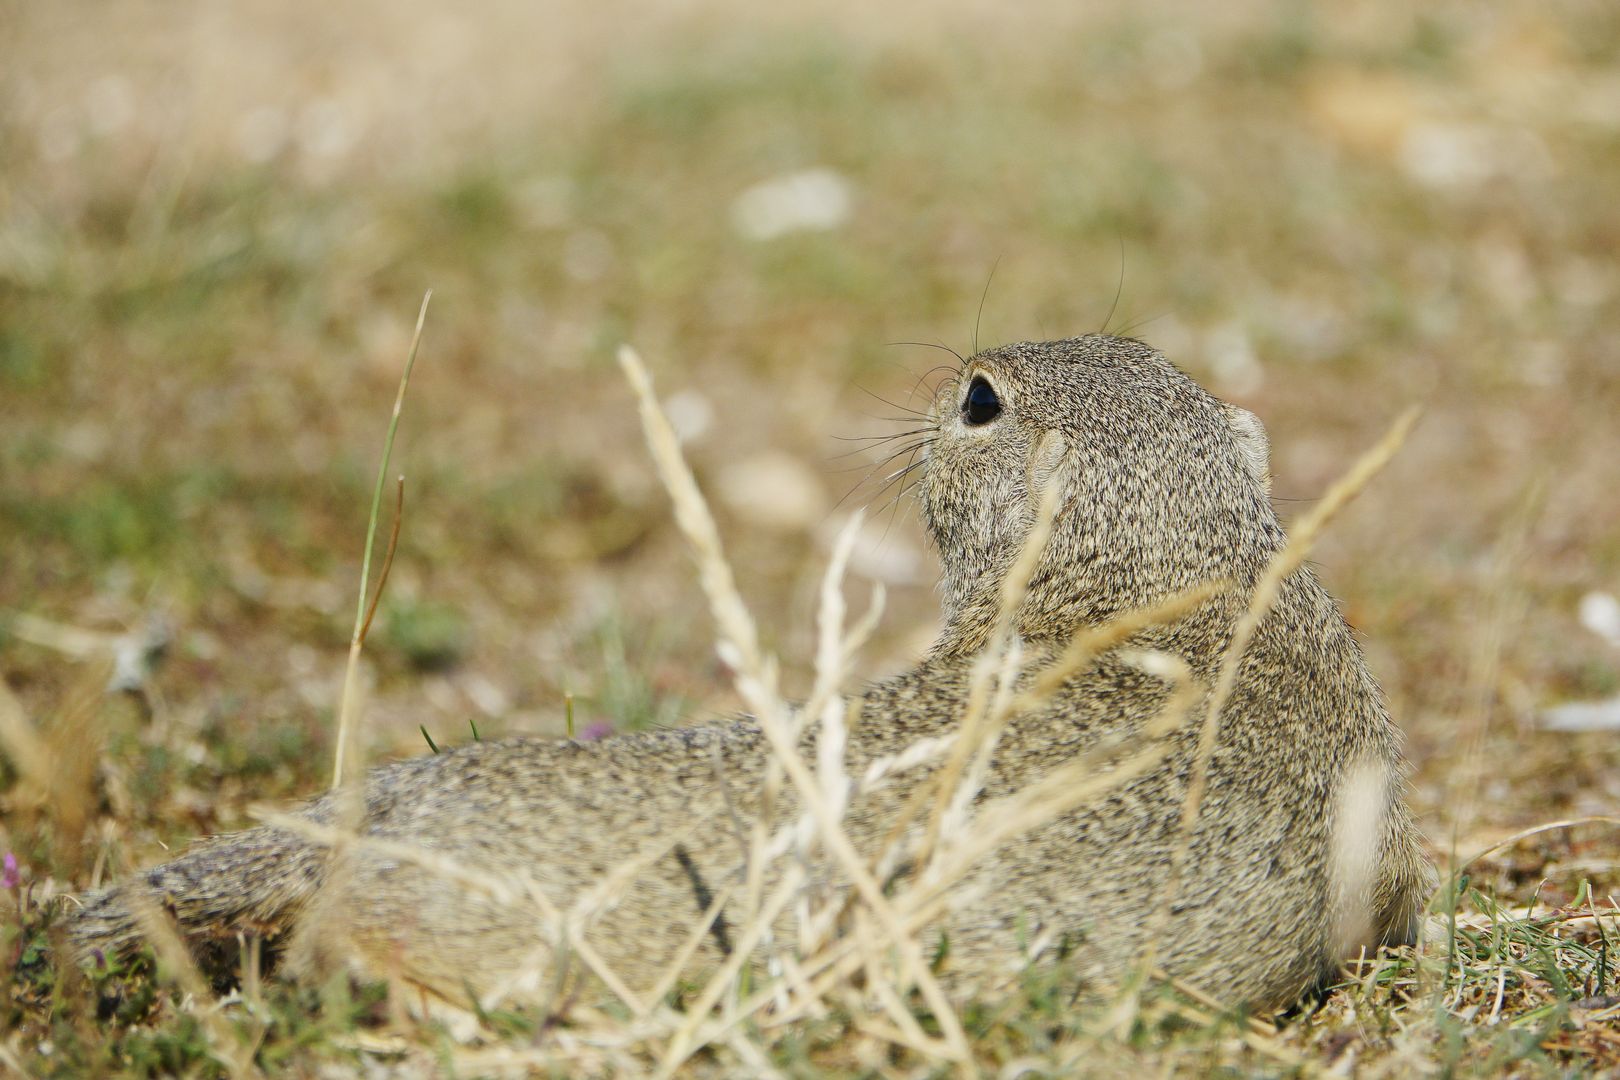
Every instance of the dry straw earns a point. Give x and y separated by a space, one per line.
755 678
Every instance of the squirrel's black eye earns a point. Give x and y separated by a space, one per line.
981 405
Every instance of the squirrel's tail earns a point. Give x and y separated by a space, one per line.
251 882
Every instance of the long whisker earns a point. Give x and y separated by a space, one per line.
915 413
1132 327
897 477
897 419
876 443
871 469
881 438
923 378
982 296
894 502
899 453
930 345
1119 287
912 449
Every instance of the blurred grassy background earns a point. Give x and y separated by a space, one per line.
217 221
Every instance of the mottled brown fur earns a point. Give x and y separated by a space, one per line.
1166 488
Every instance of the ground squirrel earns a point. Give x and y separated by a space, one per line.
1164 487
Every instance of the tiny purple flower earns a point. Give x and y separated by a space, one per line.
599 729
10 878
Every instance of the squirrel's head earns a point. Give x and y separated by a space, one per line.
1163 486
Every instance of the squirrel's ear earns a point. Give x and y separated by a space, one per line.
1251 436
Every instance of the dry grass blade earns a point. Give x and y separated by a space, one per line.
510 889
1265 594
12 1061
56 760
1060 791
1255 1040
686 1039
1535 830
1093 641
1102 769
689 947
388 559
175 958
997 666
692 515
1057 793
834 647
756 683
22 742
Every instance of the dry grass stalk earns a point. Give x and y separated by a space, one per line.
174 958
685 1040
976 747
736 626
689 947
1257 1041
510 889
1093 641
1003 820
56 762
1058 792
11 1057
997 663
1535 830
1285 563
834 647
755 681
23 744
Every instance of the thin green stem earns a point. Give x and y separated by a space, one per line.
347 705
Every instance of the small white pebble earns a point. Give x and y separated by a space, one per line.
325 130
1600 613
1583 716
1448 155
588 255
774 490
807 201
